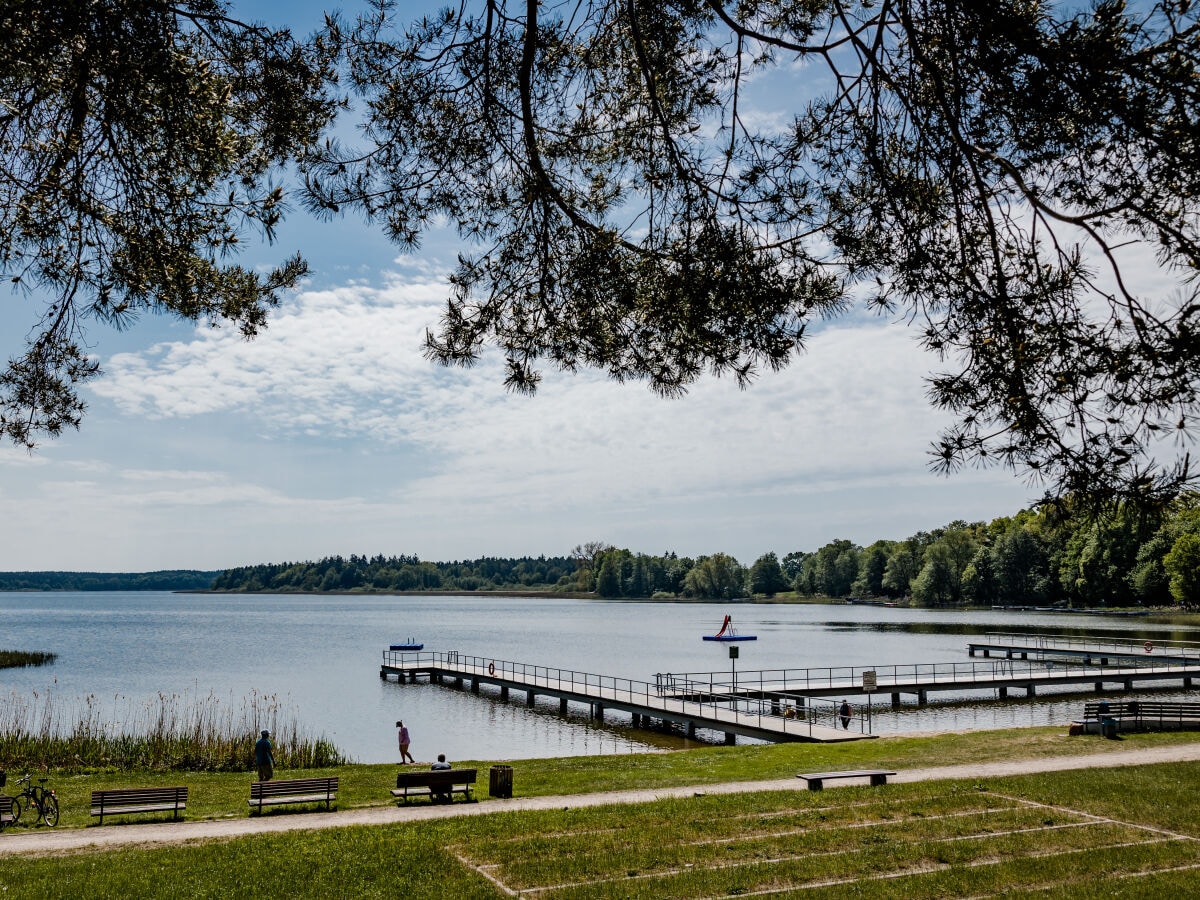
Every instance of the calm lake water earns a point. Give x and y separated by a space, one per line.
320 656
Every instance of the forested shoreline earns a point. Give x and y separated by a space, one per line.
167 580
1051 555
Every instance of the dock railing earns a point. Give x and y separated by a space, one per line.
973 673
719 704
1151 651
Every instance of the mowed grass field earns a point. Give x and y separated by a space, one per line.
1126 832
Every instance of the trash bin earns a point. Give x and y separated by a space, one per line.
500 783
1108 728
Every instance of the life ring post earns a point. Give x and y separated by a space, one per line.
492 668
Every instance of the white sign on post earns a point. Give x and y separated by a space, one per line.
869 683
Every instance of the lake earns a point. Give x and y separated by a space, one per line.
320 656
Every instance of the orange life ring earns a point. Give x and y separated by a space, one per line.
1149 647
491 668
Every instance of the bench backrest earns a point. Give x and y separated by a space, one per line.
123 796
260 789
1145 709
6 805
435 778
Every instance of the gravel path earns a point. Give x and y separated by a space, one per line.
45 841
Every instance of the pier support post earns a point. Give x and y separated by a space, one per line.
775 710
562 705
474 685
383 674
987 653
503 692
971 650
458 682
1129 684
922 698
529 695
1099 687
895 701
1187 682
730 738
412 677
1031 690
598 712
691 729
1003 693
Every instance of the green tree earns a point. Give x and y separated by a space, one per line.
608 581
766 576
139 140
871 567
716 576
937 584
1183 565
971 167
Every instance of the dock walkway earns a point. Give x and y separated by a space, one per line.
731 713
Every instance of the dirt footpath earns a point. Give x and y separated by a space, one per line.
43 841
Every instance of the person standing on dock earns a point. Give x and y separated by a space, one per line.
844 713
405 756
264 757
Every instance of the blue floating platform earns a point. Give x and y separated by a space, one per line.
730 637
407 647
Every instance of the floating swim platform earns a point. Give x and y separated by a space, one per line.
728 633
410 645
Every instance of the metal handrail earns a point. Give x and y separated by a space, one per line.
1133 646
616 688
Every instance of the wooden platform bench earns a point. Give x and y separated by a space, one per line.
295 790
447 782
124 801
6 812
816 780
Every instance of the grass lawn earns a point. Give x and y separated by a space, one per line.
1130 832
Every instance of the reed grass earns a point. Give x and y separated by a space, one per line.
165 732
15 659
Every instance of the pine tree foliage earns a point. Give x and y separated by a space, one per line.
978 170
140 140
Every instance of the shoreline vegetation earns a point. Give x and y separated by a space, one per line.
17 659
166 732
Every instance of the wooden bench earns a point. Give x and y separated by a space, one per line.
123 801
6 811
816 780
295 790
441 781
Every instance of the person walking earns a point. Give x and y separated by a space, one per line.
844 713
264 757
405 756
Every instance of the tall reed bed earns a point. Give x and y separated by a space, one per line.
165 732
14 659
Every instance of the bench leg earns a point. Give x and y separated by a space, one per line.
815 784
877 780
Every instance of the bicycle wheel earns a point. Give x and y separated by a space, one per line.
18 805
50 810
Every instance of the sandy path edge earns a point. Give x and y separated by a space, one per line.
44 841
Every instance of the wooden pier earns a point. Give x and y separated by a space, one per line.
731 714
1103 651
1000 675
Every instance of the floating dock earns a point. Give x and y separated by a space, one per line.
1133 651
732 714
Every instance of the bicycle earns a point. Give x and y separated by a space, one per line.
38 797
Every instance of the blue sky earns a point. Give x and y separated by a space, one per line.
331 434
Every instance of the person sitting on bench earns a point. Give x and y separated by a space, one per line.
440 796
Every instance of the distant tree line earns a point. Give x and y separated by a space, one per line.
173 580
399 573
1051 555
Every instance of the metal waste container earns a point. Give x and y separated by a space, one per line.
1108 728
500 783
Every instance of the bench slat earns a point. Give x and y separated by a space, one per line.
120 801
294 790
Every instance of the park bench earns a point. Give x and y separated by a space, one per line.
6 811
123 801
1138 715
816 780
440 781
295 790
